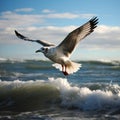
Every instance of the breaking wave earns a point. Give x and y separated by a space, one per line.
35 95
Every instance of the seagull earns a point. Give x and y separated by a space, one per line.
61 53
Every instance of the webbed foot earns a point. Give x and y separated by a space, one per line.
65 73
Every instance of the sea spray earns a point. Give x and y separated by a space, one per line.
86 99
54 90
35 90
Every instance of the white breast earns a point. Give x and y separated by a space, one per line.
55 55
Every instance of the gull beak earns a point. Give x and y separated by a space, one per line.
38 51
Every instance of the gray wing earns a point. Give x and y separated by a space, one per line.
69 43
44 43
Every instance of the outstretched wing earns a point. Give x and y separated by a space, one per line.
69 43
44 43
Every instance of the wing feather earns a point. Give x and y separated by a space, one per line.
44 43
69 43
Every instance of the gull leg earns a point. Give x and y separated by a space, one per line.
62 68
65 72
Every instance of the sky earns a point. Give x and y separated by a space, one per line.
52 20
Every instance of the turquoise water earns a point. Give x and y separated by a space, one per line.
33 89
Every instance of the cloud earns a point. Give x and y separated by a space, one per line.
14 19
67 15
24 10
104 37
62 15
110 38
103 29
97 40
47 11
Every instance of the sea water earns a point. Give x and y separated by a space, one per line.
34 90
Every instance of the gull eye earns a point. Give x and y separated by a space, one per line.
43 48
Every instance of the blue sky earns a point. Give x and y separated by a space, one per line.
52 20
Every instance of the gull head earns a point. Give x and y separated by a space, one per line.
43 50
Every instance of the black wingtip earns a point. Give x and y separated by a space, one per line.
94 21
16 32
19 35
94 18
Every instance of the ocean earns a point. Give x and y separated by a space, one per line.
35 90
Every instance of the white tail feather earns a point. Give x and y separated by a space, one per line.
71 67
57 66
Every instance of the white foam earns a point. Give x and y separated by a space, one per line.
8 85
113 62
74 96
105 60
84 98
3 59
